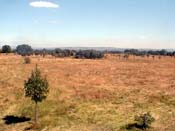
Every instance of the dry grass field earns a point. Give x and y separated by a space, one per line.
90 95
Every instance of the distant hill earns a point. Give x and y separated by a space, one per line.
93 48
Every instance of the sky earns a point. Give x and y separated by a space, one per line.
88 23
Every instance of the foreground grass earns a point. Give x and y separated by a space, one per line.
108 114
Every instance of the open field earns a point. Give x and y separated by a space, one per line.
90 95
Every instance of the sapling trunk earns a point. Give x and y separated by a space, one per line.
36 113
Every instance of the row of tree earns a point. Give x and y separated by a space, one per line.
26 50
136 52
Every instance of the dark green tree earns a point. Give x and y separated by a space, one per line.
6 49
36 87
24 50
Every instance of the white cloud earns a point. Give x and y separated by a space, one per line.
45 4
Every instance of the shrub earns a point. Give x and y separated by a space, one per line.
144 121
62 52
89 54
27 60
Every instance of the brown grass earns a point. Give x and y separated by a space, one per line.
104 94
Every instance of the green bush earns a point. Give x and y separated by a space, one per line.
144 121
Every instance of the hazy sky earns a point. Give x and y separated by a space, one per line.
106 23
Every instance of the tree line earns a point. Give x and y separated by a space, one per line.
27 50
137 52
